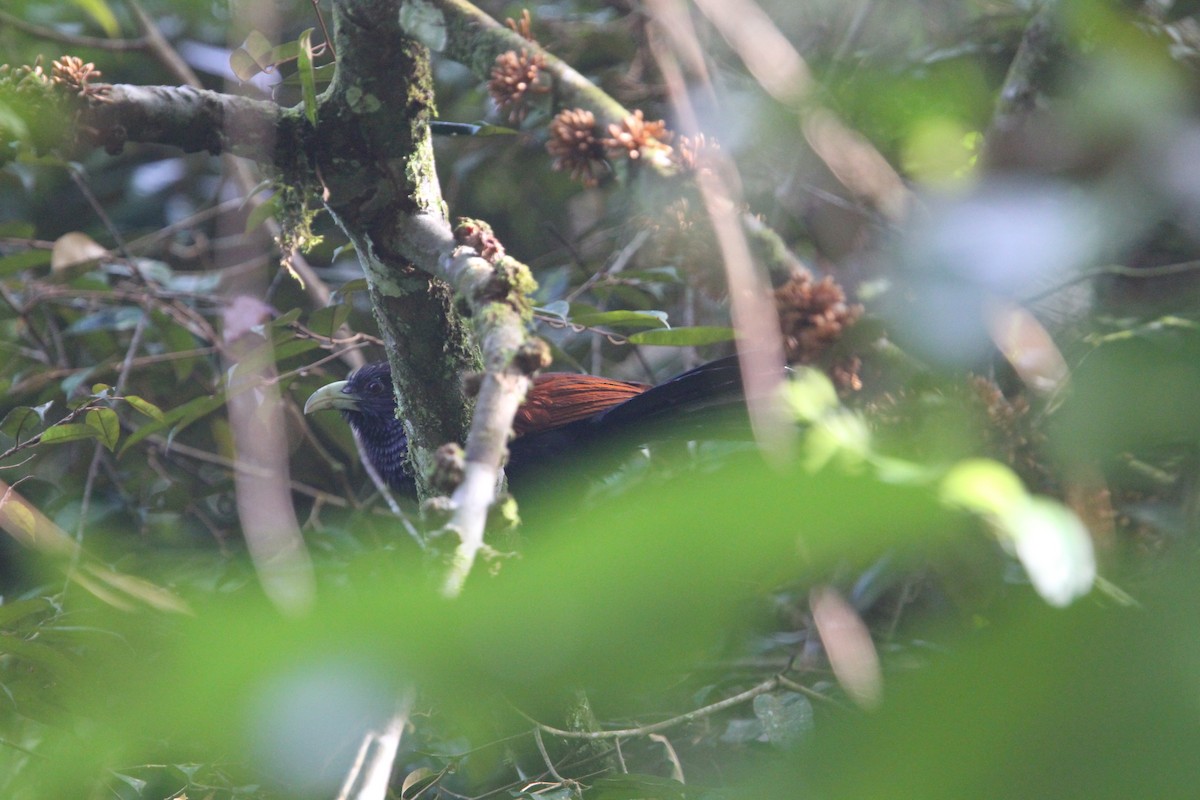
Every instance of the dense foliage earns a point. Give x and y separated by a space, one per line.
963 565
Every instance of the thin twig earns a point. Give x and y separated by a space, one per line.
766 686
537 737
55 35
1120 271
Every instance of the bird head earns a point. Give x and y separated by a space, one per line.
364 397
367 401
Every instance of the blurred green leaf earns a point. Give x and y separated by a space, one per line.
684 337
263 211
983 486
99 11
252 57
145 407
633 786
327 320
22 422
181 416
19 262
18 610
304 66
622 319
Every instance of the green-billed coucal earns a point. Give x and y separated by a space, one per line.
564 415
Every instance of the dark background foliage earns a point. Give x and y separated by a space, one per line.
147 663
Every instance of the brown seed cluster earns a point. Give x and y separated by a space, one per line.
574 145
813 315
71 73
637 139
514 77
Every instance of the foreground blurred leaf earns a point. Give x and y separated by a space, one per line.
596 587
1083 703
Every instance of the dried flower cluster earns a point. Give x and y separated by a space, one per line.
692 151
71 73
1010 433
514 77
523 28
574 145
813 315
637 139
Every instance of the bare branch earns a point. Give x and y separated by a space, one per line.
193 120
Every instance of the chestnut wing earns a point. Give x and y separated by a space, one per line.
559 398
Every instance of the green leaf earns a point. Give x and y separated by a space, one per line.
182 416
286 318
327 320
13 123
19 262
22 422
322 74
267 208
145 407
68 432
18 610
559 308
45 656
623 319
102 14
308 80
684 337
295 348
653 275
352 287
252 57
983 486
106 423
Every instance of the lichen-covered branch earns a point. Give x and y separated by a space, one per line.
193 120
381 185
1040 51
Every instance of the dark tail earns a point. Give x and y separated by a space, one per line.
710 392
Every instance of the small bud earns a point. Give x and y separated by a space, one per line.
449 465
532 355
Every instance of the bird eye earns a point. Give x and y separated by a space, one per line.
375 388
